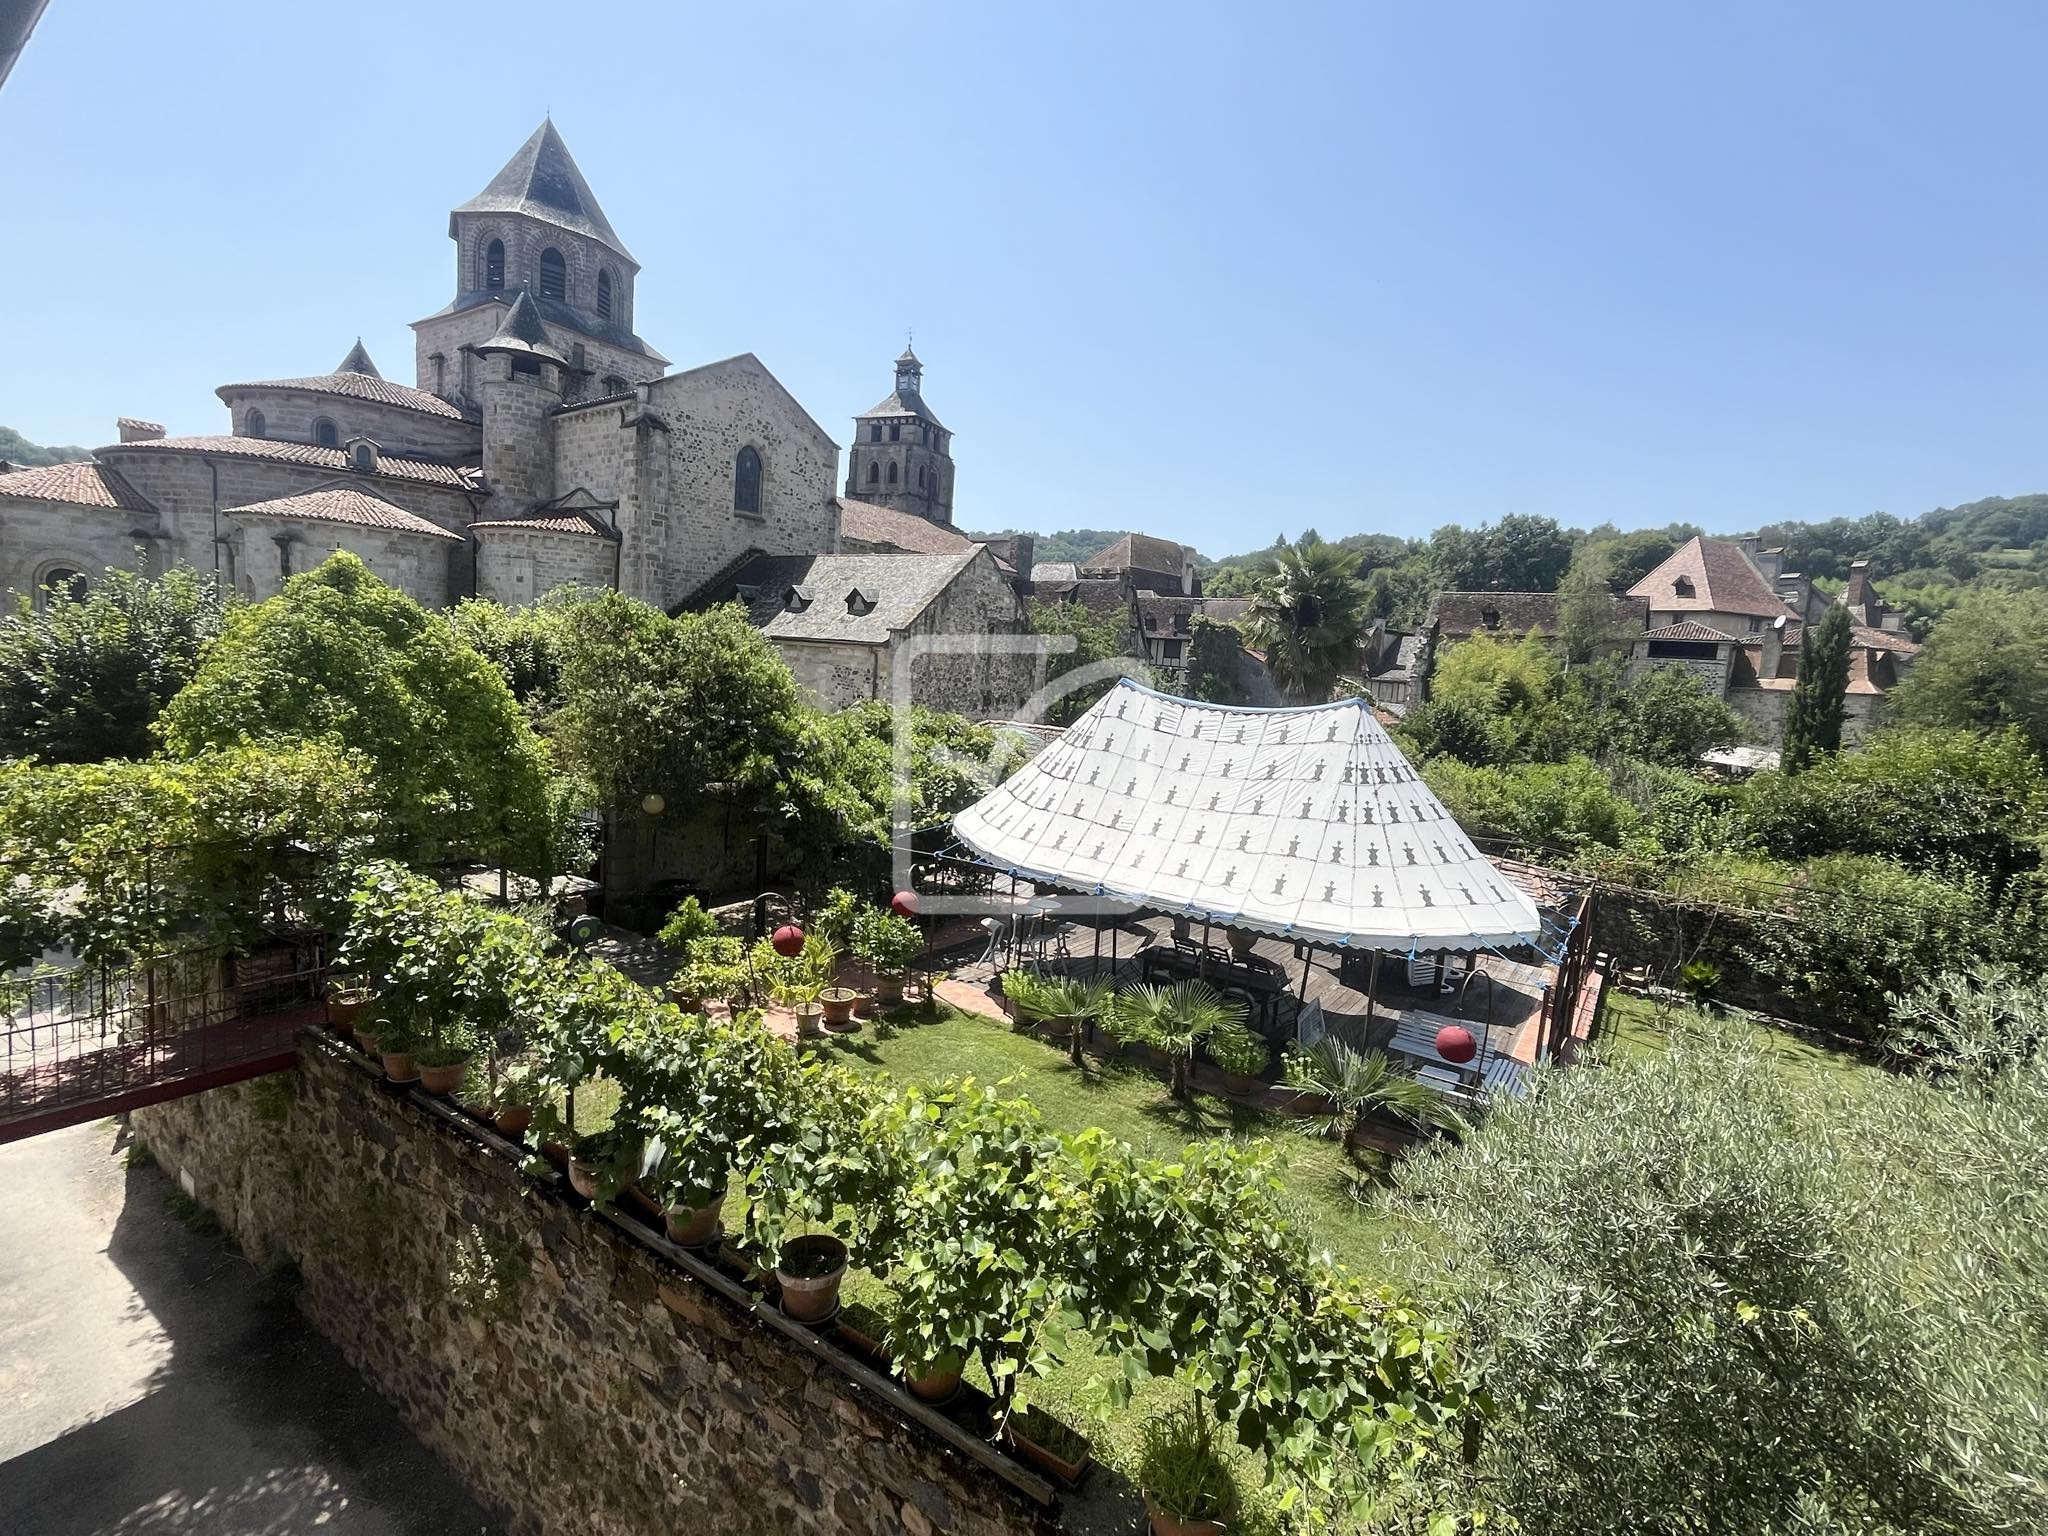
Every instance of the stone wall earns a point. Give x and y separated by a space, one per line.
38 537
1661 933
418 564
515 566
626 1390
289 414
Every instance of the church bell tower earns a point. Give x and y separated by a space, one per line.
902 454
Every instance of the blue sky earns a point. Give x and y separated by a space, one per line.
1212 271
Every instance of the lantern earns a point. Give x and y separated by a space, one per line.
788 941
1454 1042
904 903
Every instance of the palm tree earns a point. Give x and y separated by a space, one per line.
1066 1002
1307 617
1174 1020
1361 1084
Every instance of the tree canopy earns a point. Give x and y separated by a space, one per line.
1985 666
1307 617
338 656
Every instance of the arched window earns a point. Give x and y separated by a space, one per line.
366 457
494 266
746 482
604 297
62 584
614 385
326 433
253 425
554 276
892 474
874 473
875 432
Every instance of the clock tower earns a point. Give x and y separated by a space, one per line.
902 454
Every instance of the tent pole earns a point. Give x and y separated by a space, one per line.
1202 965
1372 980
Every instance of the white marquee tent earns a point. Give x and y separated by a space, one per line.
1307 823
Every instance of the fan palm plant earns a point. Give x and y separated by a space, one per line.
1307 616
1173 1020
1066 1003
1361 1084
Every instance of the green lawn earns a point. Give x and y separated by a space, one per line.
1635 1027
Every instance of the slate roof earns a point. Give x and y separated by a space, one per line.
1686 629
1723 579
902 402
866 523
395 466
1167 618
521 331
1055 570
356 385
1226 610
542 182
900 588
1458 614
1138 552
79 485
577 512
347 504
358 361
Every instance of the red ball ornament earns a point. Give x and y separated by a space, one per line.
1454 1042
904 903
788 941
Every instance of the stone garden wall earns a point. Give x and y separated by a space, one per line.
581 1375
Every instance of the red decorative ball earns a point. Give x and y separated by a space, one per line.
904 903
1454 1042
788 941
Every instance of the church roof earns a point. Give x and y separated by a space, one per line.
391 465
522 331
1717 577
356 385
542 182
865 523
80 485
346 504
358 361
902 402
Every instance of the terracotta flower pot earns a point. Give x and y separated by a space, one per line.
938 1384
512 1119
692 1226
838 1003
444 1079
400 1067
366 1042
345 1007
810 1270
1164 1524
582 1178
686 998
1046 1460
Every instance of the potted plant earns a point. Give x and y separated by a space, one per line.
722 1081
1048 1443
834 919
443 1060
687 927
395 1046
1188 1485
1062 1006
1239 1054
1242 941
817 1180
888 944
839 1003
798 981
1173 1020
348 997
513 1098
1357 1085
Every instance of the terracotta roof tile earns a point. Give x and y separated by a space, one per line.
865 523
392 465
80 485
1139 552
560 522
356 386
1710 575
1686 629
346 504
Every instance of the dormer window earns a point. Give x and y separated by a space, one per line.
1682 586
796 599
860 601
1489 618
362 455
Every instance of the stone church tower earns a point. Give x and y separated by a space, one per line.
902 455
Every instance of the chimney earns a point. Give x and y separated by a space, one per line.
1752 546
1857 593
1771 562
1773 649
1796 591
133 431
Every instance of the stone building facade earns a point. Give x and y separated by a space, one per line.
543 445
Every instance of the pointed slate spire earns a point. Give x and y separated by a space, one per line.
542 182
521 331
358 361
